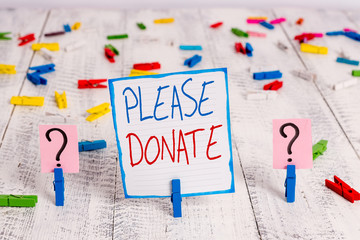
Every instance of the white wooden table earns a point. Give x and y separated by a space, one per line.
95 205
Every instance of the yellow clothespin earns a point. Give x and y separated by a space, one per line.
164 20
27 101
304 47
98 111
48 46
135 72
258 18
61 100
7 69
76 26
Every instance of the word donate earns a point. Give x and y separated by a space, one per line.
173 126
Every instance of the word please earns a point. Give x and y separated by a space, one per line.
175 102
181 146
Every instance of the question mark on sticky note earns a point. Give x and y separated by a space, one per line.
283 134
65 141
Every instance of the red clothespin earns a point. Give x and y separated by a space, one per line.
109 55
91 83
305 37
275 85
26 39
341 188
240 48
146 66
216 25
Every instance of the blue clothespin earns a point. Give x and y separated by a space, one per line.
176 197
267 75
290 183
36 79
190 47
59 187
192 61
44 68
353 35
67 28
249 49
335 33
91 145
267 25
347 61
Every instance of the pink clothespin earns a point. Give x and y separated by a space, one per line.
256 34
254 21
278 20
349 30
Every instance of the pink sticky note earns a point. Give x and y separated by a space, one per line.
52 139
301 148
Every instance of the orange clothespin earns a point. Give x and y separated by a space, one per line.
91 83
341 188
26 39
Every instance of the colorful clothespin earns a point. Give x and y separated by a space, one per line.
164 20
345 84
347 61
141 26
261 95
76 26
239 33
353 35
275 85
304 47
254 21
135 73
146 66
256 34
112 48
36 79
319 148
356 73
67 28
120 36
61 100
190 62
109 55
278 20
216 25
240 48
176 197
299 21
27 101
7 69
267 75
249 49
341 188
51 34
190 47
91 145
18 200
91 83
98 111
26 39
349 30
59 187
290 183
42 69
49 46
4 37
335 33
75 45
267 25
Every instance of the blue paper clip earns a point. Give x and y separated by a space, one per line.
347 61
190 47
91 145
192 61
67 28
290 183
249 49
176 197
267 25
335 33
36 79
44 68
59 186
267 75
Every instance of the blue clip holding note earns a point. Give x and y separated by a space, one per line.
36 79
91 145
347 61
44 68
190 47
249 49
267 75
290 183
267 25
190 62
67 28
59 187
176 197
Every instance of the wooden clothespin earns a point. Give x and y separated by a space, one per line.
290 183
98 111
61 100
341 188
27 101
176 197
59 187
7 69
91 145
18 200
26 39
91 83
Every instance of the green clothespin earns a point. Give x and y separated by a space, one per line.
3 37
112 48
319 148
141 26
18 200
121 36
356 73
239 33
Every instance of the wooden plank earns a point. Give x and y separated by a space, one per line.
219 216
317 212
19 22
89 195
